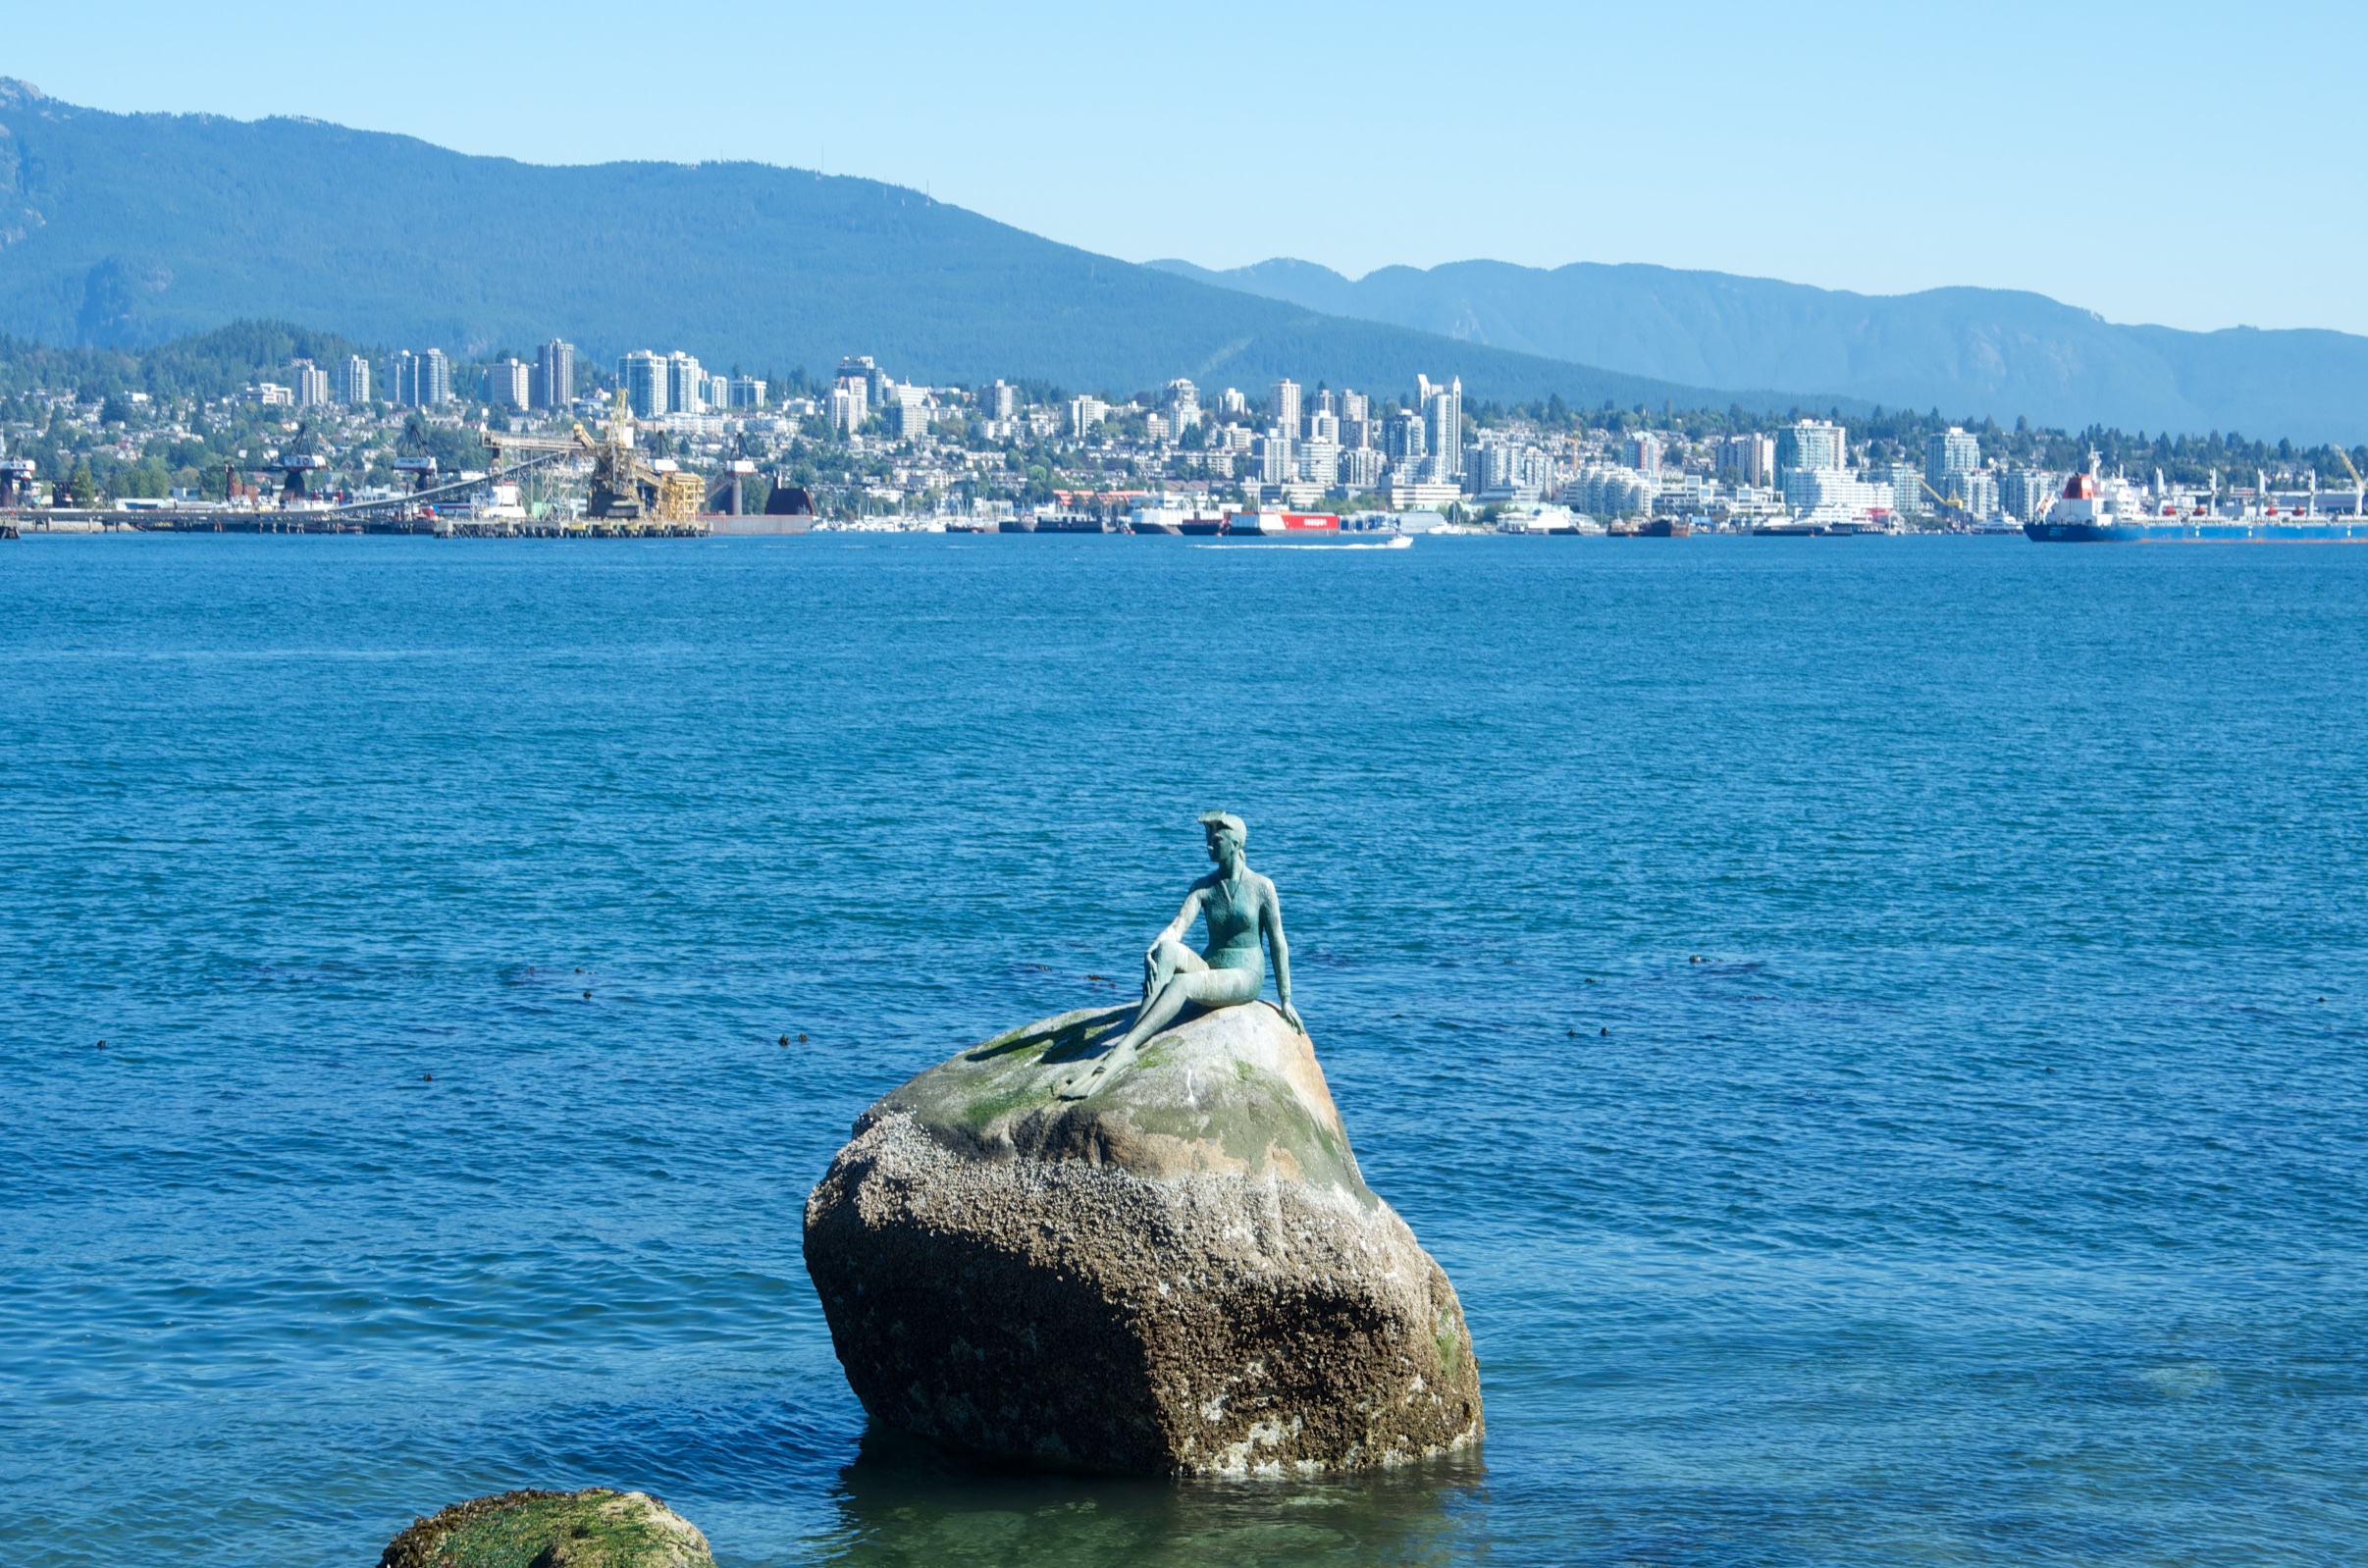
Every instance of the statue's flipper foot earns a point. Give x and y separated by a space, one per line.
1080 1085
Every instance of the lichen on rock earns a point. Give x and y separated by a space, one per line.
595 1527
1183 1273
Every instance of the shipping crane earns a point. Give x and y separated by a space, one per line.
625 487
1950 505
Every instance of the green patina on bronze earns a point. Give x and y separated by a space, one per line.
1245 919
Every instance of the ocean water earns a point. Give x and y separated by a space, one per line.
1873 1028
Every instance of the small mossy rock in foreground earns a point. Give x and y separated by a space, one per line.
591 1529
1182 1273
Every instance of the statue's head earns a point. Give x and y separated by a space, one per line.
1227 834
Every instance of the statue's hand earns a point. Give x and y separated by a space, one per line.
1291 1015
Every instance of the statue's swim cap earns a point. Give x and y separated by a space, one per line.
1212 821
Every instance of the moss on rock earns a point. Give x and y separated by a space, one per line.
1182 1272
1233 1090
597 1528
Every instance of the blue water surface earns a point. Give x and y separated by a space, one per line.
1990 1191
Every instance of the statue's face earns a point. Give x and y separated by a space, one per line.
1224 844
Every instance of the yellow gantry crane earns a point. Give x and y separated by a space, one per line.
626 488
1948 503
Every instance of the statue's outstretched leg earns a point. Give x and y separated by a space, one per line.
1166 970
1155 1015
1191 981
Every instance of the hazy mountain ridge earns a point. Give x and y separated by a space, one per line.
138 229
1989 352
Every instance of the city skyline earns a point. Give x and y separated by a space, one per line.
867 445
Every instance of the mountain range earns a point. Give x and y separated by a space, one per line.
1976 351
132 230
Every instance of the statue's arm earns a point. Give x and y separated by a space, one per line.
1183 922
1281 948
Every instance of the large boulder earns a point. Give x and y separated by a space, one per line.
595 1527
1183 1273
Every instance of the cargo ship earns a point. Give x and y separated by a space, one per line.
788 510
1309 527
2112 512
1174 520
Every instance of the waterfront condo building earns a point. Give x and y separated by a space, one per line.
1908 488
507 384
309 381
2025 494
686 384
1948 458
907 412
1749 459
1283 407
859 368
422 381
1811 445
849 407
1443 426
1275 465
1183 405
555 375
1834 491
643 376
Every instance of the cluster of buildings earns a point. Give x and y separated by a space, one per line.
424 380
659 385
873 443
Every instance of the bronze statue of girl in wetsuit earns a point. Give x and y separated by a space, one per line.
1245 919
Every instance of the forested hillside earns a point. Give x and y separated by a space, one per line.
123 229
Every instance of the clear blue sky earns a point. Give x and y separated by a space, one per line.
2193 165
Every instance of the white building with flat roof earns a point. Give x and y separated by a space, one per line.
1835 491
643 376
1948 457
309 381
1283 407
686 384
1811 444
1443 426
